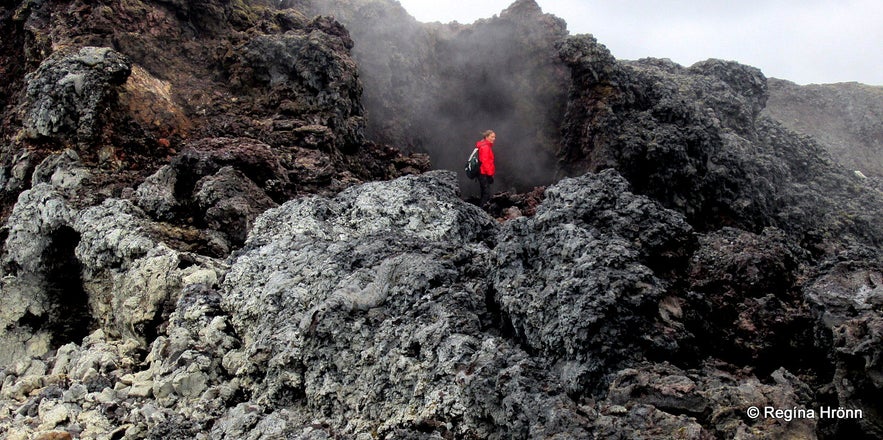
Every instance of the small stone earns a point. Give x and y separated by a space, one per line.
75 393
191 385
616 410
106 395
17 434
163 389
54 417
204 276
141 389
22 388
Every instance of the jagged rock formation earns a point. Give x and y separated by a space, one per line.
846 118
776 216
694 139
131 85
192 252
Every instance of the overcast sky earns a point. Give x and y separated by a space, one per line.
805 41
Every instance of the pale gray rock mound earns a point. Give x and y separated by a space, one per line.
368 313
386 282
68 271
40 307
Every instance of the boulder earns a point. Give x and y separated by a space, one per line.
386 281
68 94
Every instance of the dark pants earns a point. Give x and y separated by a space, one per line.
484 182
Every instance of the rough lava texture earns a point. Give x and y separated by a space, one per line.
199 243
578 280
397 310
695 140
131 85
67 93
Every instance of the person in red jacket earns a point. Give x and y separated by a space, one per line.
486 171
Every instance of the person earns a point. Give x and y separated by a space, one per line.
486 171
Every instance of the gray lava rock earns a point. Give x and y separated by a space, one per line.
42 303
15 176
573 279
68 93
386 280
219 183
67 270
41 212
847 297
156 195
133 281
65 171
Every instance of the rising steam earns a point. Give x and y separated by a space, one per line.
434 88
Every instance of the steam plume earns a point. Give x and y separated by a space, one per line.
435 87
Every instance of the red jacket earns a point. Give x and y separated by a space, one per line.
486 157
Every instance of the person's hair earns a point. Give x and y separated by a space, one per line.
486 133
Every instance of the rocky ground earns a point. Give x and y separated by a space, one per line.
199 242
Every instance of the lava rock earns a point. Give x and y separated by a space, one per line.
573 279
68 93
384 279
694 139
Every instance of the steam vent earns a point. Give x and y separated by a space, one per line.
231 219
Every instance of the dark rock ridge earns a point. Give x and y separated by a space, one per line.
199 243
695 140
846 118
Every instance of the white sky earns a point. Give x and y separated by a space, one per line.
804 41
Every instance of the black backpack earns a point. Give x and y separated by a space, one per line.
473 166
